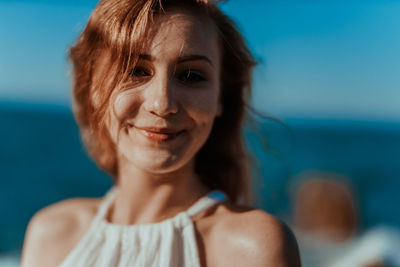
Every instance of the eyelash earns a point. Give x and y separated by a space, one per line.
190 76
139 71
187 76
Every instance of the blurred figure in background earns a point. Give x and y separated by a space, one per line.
325 209
326 224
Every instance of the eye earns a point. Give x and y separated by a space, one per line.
139 72
190 76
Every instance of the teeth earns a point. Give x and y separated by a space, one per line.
144 132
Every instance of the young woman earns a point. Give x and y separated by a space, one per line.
160 88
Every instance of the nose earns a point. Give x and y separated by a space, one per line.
160 96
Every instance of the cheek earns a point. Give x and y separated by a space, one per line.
202 105
126 105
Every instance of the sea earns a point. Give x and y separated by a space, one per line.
42 161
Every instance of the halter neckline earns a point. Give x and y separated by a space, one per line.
184 217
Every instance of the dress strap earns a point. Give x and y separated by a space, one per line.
206 202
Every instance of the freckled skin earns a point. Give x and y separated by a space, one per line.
163 100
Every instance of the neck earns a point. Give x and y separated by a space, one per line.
145 197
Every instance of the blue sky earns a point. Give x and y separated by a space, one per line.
336 59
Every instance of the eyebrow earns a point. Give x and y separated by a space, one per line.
194 57
181 59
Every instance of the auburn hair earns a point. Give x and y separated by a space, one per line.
118 29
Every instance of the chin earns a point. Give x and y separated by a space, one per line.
157 162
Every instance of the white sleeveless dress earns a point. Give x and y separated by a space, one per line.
170 242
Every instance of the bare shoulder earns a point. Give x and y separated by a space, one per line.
54 230
240 236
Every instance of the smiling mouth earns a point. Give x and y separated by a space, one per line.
158 135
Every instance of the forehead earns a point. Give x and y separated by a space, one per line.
183 31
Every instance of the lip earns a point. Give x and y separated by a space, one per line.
158 135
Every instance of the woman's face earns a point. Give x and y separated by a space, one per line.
168 106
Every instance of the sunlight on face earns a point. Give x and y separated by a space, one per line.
168 105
